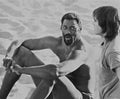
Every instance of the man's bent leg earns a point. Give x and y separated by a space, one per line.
32 60
8 82
10 78
44 86
64 89
43 90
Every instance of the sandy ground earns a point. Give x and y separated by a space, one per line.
23 19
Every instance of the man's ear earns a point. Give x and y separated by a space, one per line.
80 27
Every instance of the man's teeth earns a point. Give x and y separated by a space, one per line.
68 38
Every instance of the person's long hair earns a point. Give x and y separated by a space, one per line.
108 20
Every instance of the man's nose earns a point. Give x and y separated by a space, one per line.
67 31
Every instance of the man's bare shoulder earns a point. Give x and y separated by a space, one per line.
52 39
78 44
41 43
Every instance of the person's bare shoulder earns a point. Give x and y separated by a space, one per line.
41 43
51 40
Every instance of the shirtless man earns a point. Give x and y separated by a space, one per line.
67 47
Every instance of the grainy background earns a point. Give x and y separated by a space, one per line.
23 19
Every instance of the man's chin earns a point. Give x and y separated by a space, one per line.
68 43
68 39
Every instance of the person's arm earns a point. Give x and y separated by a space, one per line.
31 44
52 71
118 72
113 59
71 65
44 71
40 43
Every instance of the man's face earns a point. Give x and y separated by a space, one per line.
70 30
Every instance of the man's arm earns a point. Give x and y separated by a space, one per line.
71 65
40 43
118 72
31 44
52 71
44 71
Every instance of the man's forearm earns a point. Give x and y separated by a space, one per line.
45 72
68 68
72 64
26 44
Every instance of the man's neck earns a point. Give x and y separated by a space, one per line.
66 46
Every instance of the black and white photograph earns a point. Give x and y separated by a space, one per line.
59 49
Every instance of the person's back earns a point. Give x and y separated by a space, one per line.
109 81
106 25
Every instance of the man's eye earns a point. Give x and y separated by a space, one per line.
73 28
64 27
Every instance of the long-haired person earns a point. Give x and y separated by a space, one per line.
106 24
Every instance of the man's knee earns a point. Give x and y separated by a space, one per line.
20 54
25 57
21 51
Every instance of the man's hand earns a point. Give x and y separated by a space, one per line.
16 68
11 66
71 65
7 63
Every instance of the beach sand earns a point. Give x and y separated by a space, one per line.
23 19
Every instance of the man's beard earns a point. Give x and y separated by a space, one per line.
68 39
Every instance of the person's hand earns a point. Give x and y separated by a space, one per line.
16 68
7 63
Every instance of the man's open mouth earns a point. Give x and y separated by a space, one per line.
68 39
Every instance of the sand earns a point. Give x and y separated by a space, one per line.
23 19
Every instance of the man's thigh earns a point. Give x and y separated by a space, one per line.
64 89
29 59
25 58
